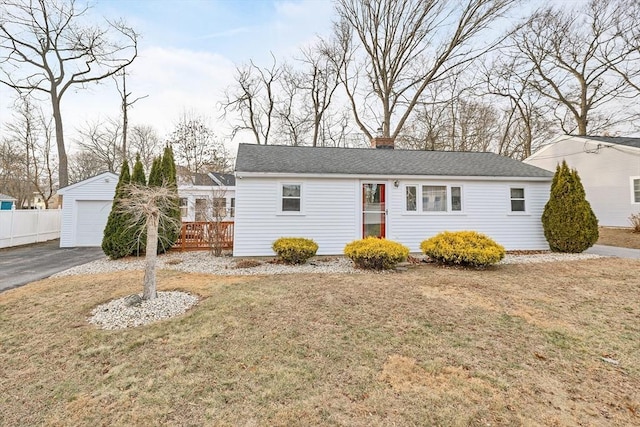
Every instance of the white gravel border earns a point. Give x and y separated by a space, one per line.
203 262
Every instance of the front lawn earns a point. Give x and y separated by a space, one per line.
538 344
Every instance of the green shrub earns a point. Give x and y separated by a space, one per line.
377 254
294 250
463 248
568 221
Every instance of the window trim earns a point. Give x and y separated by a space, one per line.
279 210
633 190
510 200
419 207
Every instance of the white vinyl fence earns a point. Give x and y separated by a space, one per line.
21 227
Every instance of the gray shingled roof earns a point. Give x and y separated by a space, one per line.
5 197
226 179
370 161
621 140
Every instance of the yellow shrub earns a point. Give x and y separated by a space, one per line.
464 248
375 253
294 250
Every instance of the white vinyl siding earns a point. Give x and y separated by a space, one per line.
486 210
605 174
331 215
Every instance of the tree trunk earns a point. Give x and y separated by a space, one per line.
151 256
63 172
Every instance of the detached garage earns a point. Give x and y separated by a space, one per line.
85 210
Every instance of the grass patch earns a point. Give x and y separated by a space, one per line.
511 345
621 237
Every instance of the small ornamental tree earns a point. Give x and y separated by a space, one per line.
148 206
568 220
138 178
117 239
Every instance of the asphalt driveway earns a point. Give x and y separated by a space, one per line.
24 264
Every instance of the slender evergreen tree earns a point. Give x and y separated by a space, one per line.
568 220
171 230
116 241
138 176
155 174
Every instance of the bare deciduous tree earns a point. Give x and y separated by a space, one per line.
148 207
125 104
144 140
30 135
252 98
196 146
582 62
102 139
46 47
400 47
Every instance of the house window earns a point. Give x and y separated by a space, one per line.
184 207
219 207
291 197
232 209
635 190
201 210
517 200
456 199
434 198
411 196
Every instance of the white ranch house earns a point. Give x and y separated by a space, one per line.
609 168
336 195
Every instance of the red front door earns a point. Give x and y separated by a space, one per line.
374 210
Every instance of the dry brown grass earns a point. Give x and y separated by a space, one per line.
621 237
510 345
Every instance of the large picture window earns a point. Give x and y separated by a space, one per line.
291 197
433 198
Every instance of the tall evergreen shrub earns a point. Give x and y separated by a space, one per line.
138 177
170 232
118 235
568 220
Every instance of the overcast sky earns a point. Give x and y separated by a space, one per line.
187 55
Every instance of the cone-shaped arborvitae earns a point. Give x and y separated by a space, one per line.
138 177
117 238
168 233
568 220
139 238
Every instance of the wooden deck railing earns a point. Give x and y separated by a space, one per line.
197 236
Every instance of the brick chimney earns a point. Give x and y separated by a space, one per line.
382 143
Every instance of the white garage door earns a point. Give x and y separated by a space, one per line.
92 217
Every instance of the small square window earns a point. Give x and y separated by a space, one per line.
517 200
291 197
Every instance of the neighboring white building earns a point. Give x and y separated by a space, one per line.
85 210
201 193
336 195
609 168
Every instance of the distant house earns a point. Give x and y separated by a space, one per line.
336 195
85 210
207 197
6 202
609 168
